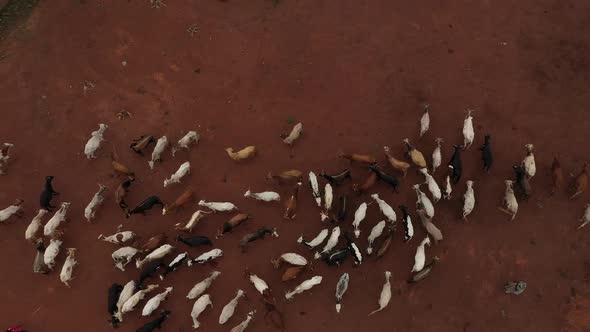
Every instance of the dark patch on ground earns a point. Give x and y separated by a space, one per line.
14 13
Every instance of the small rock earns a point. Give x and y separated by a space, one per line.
515 287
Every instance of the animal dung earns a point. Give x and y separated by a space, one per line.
515 287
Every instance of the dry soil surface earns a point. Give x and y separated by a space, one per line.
355 74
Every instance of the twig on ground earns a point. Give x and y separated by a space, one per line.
192 29
123 114
87 86
157 3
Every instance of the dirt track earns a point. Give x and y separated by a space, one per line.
355 74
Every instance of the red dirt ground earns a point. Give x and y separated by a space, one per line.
355 73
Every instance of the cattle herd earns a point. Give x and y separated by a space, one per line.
152 256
